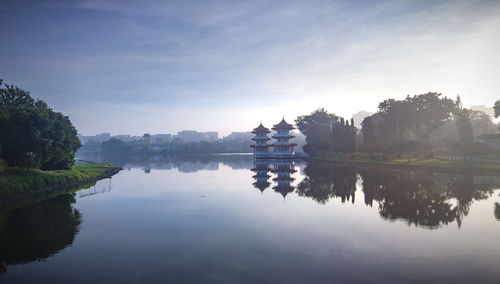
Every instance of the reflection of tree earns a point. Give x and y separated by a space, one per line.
463 189
497 211
422 198
37 231
323 182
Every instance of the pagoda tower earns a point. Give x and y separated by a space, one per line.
261 148
282 147
261 169
284 170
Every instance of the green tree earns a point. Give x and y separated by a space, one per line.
412 119
33 135
318 129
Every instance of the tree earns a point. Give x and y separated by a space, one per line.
33 135
318 129
496 107
412 119
465 133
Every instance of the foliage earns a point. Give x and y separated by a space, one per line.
38 231
33 135
16 180
406 125
326 133
496 107
465 133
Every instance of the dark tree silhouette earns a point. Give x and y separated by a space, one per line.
33 135
38 231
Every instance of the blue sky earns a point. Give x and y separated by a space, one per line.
163 66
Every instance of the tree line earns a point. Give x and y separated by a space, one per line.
32 134
417 126
326 133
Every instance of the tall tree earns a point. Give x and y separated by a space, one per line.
33 135
318 129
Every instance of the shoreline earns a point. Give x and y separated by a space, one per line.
425 165
14 197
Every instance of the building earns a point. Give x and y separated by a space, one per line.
283 148
194 136
261 148
239 136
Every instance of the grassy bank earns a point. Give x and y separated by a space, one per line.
416 163
16 181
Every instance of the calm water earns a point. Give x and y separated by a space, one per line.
214 219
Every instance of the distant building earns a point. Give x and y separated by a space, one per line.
239 136
359 117
97 138
195 136
212 135
488 110
161 138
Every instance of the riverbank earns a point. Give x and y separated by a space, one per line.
426 164
16 182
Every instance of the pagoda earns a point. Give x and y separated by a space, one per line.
283 170
261 169
283 148
261 148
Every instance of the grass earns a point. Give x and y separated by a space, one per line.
15 180
429 163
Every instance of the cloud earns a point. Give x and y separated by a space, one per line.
281 57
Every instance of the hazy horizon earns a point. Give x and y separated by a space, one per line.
161 67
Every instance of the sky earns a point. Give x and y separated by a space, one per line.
134 67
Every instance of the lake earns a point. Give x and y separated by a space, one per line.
228 219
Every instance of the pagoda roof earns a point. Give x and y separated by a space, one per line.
283 125
261 185
284 189
261 129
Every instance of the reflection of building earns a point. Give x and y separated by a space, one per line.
261 176
283 170
260 148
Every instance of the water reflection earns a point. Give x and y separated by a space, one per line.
37 231
323 182
183 163
421 198
170 230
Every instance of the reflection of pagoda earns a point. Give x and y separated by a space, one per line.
261 176
283 179
260 148
282 147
